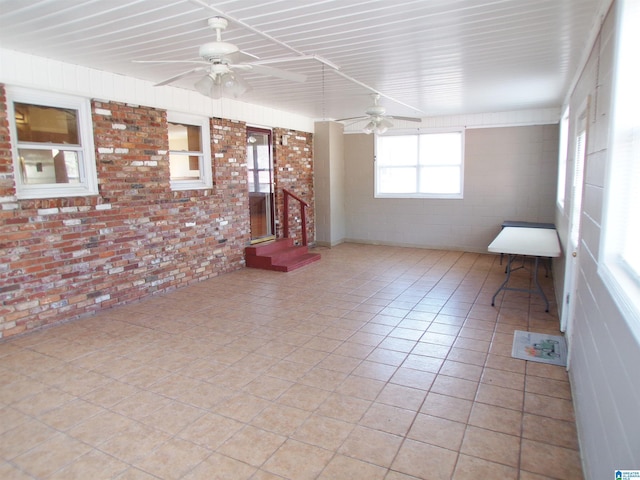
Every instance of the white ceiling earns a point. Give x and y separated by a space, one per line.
425 57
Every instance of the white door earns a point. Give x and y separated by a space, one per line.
573 242
261 184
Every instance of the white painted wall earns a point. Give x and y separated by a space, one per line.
605 363
510 174
606 354
328 174
51 75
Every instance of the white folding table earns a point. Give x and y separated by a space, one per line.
522 241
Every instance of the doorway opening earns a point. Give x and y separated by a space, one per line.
261 184
572 253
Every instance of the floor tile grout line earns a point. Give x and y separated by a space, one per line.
389 335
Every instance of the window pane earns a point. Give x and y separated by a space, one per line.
576 189
445 180
180 167
41 124
400 150
562 158
184 138
54 153
440 149
49 166
265 176
397 180
631 231
620 268
263 156
420 165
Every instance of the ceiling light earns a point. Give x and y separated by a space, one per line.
233 85
369 127
377 126
216 85
205 85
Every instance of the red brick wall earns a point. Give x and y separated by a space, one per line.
7 188
64 258
293 165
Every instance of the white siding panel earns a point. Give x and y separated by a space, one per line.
36 72
605 352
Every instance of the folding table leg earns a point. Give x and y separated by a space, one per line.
535 280
510 259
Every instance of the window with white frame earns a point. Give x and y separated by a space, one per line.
620 264
189 152
52 142
424 165
562 158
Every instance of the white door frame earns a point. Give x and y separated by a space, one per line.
572 253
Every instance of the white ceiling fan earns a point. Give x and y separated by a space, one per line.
378 121
224 61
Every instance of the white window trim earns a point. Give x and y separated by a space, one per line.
563 151
620 279
454 196
87 162
206 176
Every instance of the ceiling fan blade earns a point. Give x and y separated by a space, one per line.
359 122
276 72
406 119
241 57
350 118
179 76
172 61
268 61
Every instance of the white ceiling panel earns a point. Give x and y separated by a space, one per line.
425 57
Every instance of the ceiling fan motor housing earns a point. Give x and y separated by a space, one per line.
375 111
216 50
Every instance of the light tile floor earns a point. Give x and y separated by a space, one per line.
374 363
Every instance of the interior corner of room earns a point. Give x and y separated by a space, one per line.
175 141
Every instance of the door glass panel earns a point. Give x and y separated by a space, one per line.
260 180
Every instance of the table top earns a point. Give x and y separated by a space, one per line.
518 223
536 242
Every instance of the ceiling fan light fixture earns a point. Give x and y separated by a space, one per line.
377 126
384 123
369 127
233 85
380 129
206 85
215 85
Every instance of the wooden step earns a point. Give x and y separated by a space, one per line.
271 246
279 255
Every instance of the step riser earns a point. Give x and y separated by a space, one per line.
266 264
300 264
287 255
278 258
269 247
280 255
